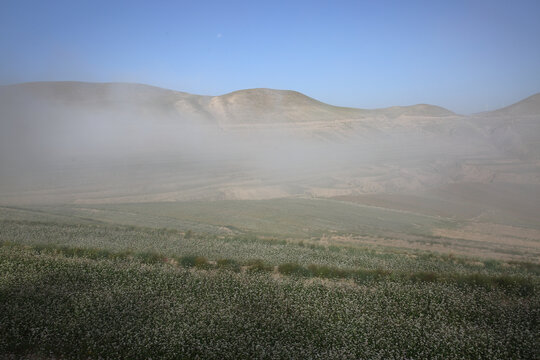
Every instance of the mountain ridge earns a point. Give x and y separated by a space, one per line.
71 89
262 99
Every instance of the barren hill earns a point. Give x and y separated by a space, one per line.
116 142
526 107
243 106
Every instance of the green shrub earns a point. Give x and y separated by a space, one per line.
201 262
424 276
228 264
474 280
188 261
149 257
293 269
194 261
362 275
259 266
327 271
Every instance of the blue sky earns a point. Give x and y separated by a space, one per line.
467 56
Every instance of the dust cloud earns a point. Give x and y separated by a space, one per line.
77 142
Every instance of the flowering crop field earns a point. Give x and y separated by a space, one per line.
76 288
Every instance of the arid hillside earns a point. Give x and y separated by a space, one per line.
70 142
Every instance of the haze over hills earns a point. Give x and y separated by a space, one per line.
308 180
252 107
74 142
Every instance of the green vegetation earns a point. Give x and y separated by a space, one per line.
245 248
281 217
77 288
303 220
113 307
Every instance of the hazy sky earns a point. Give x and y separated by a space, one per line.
467 56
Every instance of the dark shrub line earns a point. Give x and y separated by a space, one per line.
522 285
532 268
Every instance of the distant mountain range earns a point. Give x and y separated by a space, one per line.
236 106
243 106
103 142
